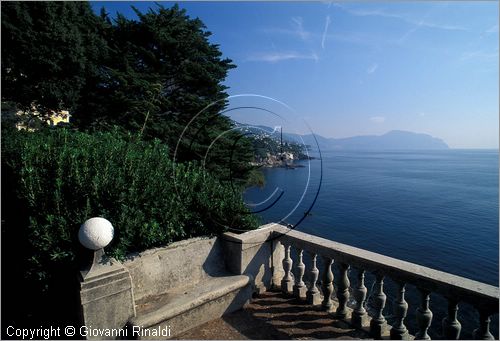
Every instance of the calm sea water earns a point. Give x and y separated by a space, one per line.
434 208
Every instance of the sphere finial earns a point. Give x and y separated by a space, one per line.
96 233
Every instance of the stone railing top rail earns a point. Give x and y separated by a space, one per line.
481 295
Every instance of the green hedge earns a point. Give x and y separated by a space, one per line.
63 177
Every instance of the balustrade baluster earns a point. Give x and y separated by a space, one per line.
451 326
424 316
327 284
313 295
343 291
378 324
299 289
359 314
399 331
290 277
287 281
483 332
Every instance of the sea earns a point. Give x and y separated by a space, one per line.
437 208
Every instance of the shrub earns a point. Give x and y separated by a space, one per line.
63 177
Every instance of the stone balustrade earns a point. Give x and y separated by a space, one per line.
289 271
194 281
455 289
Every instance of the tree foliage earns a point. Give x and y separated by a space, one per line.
156 77
49 49
161 63
149 81
54 179
62 178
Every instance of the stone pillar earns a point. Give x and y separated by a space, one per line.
313 294
424 316
106 296
451 325
399 330
343 285
278 253
251 254
327 284
378 323
299 289
287 281
483 332
359 316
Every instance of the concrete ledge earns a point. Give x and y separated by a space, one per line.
184 299
252 238
100 288
185 263
480 295
182 285
200 315
256 254
184 308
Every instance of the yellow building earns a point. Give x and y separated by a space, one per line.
60 117
31 120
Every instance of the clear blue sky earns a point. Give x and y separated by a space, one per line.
364 68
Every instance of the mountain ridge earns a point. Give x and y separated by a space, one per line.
394 139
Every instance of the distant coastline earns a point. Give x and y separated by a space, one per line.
393 140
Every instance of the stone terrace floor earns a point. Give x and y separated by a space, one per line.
275 316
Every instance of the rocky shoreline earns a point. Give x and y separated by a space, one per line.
274 162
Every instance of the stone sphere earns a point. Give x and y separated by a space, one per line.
96 233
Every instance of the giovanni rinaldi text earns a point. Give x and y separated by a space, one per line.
47 333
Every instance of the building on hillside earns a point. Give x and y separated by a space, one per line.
32 120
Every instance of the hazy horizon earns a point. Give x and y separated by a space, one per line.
350 68
392 130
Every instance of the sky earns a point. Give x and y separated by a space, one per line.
343 69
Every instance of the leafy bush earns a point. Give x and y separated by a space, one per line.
62 177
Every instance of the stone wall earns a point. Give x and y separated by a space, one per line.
183 263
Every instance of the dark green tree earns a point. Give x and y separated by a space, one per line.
161 72
49 50
150 77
